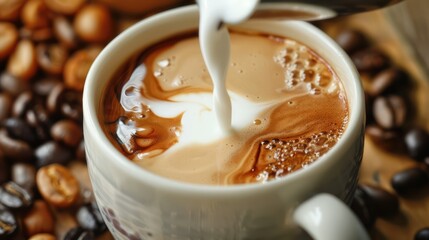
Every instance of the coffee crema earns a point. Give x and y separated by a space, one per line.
288 109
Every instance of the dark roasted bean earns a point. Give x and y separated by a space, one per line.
388 139
351 40
54 98
417 142
409 181
14 196
422 234
19 129
390 111
44 86
386 81
67 132
24 174
5 106
52 152
385 203
22 104
39 219
12 85
89 218
58 185
71 105
363 208
39 118
369 60
8 223
80 151
15 149
79 233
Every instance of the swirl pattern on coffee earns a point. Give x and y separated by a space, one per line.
288 109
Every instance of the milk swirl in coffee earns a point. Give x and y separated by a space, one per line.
288 109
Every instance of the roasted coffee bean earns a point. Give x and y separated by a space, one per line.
409 181
67 132
58 185
8 39
43 236
44 86
385 203
94 23
369 60
10 9
79 233
8 223
24 174
13 148
386 81
12 84
39 219
35 14
14 196
22 104
388 139
77 67
19 129
363 208
89 218
54 99
71 105
390 111
69 7
422 234
5 106
52 58
80 151
64 32
40 120
23 62
351 40
37 35
417 142
52 152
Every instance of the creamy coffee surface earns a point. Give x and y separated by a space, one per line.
288 109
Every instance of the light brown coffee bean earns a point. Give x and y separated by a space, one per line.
67 132
43 236
77 67
94 24
52 58
10 9
35 14
23 63
68 7
39 219
64 32
57 185
8 39
390 111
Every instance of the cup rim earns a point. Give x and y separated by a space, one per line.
92 123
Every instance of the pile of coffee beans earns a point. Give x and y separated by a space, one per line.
392 125
46 49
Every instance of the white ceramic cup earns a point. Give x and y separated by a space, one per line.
137 204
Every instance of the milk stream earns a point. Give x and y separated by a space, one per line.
215 48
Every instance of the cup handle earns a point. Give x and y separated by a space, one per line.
325 217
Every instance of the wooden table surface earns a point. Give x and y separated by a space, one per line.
378 165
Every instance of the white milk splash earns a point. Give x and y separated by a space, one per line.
215 48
